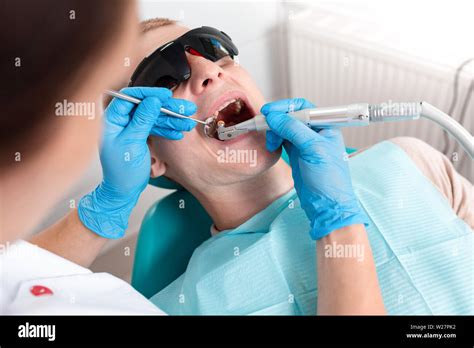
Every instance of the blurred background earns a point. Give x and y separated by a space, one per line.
330 52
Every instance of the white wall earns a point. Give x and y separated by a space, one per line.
253 25
375 51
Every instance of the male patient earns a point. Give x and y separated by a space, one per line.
260 259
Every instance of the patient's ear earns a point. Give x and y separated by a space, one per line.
158 167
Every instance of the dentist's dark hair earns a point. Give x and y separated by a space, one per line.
46 47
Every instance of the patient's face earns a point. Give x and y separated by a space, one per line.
197 160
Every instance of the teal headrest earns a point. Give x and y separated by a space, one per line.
165 183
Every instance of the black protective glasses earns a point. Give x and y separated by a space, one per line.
168 66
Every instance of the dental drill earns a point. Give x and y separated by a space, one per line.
354 115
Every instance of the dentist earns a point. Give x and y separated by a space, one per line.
70 56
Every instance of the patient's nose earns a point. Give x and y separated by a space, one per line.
205 74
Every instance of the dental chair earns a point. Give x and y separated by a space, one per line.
171 230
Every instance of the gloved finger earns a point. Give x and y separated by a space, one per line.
143 92
144 118
115 115
286 105
118 112
335 138
291 129
180 124
180 106
291 150
166 133
272 141
333 134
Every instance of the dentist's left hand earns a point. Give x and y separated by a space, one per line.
319 167
125 157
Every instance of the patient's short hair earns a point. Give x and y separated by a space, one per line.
154 23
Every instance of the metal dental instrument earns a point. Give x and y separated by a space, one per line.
359 115
163 110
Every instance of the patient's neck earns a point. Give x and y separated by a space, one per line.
231 205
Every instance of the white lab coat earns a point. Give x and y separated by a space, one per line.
35 281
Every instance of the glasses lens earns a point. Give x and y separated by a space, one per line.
166 67
175 56
213 49
167 82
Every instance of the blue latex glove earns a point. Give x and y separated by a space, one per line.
125 156
319 165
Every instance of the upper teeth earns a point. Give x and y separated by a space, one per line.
225 104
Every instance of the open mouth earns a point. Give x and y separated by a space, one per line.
231 112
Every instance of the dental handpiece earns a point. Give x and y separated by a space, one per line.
163 110
361 114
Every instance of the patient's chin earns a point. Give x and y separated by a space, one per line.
246 162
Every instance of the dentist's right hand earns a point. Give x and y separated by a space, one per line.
125 157
319 165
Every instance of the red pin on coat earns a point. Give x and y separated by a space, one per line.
40 290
